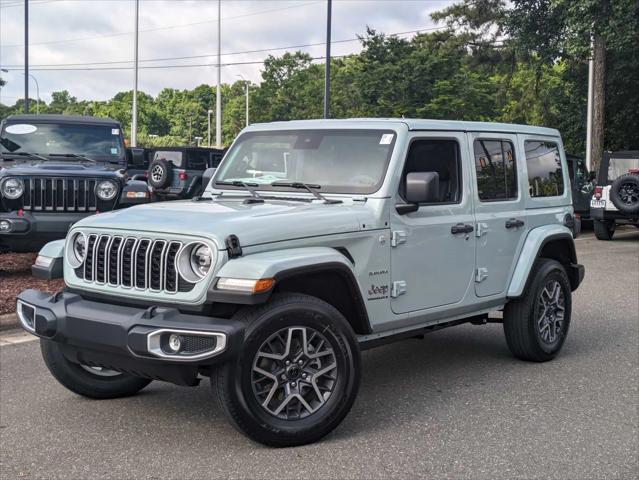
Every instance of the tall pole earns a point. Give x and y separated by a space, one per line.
26 56
247 103
209 113
327 68
37 93
218 93
591 77
134 119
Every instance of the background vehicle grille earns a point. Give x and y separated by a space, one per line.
60 194
134 263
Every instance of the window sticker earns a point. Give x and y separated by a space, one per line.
386 139
115 131
114 151
20 129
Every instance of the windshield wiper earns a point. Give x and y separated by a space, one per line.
72 155
309 187
255 197
24 154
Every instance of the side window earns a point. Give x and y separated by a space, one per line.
440 156
496 172
196 159
545 175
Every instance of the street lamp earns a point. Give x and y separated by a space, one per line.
198 140
37 92
246 83
210 112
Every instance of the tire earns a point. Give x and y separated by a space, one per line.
253 402
604 230
530 337
624 193
160 173
102 384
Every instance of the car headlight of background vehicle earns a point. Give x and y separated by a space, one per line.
195 261
106 190
12 188
76 249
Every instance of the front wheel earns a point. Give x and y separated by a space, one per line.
89 381
536 325
297 376
604 230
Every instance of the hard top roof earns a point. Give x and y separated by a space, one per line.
56 118
412 124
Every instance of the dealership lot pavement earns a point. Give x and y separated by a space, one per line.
454 405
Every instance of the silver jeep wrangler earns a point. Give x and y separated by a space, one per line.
315 240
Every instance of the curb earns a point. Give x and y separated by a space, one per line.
9 321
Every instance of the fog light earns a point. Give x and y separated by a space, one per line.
5 226
175 343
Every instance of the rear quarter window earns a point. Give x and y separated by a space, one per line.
545 174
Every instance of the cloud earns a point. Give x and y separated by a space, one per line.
101 31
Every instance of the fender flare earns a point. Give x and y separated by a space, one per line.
535 241
55 251
283 264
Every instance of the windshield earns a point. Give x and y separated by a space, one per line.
99 142
339 161
620 166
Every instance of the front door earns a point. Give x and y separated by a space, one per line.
433 248
499 210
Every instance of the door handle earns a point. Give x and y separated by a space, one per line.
461 228
514 223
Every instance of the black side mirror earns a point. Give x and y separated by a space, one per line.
207 176
422 187
135 156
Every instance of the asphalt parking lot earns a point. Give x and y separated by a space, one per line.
454 405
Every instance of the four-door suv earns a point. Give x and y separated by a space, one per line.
56 170
176 172
273 281
616 196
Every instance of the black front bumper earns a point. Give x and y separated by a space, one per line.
28 232
117 337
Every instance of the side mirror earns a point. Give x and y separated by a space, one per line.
207 176
422 187
135 156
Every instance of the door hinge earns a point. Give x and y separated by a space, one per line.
398 288
398 237
482 229
481 275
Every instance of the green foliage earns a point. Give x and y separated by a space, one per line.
522 61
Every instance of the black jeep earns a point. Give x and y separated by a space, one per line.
55 170
176 172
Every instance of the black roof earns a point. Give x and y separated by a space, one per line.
62 119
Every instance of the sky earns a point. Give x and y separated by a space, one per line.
88 37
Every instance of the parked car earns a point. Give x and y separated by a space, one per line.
313 241
176 172
616 197
582 185
56 170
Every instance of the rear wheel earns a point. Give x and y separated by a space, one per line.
604 230
536 324
89 381
297 376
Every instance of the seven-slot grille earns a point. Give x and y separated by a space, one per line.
133 262
60 194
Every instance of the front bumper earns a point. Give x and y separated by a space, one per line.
128 339
28 232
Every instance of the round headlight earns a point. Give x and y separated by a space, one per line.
201 260
78 250
195 261
12 188
106 190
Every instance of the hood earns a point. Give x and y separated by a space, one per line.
59 168
272 221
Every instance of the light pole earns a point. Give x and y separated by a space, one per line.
37 93
327 67
198 140
218 95
246 83
26 56
134 119
209 113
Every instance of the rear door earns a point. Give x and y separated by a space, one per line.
499 209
